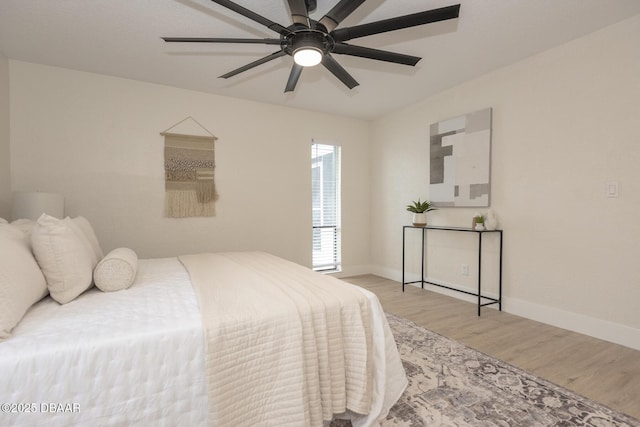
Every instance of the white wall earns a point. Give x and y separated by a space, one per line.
565 123
96 140
5 170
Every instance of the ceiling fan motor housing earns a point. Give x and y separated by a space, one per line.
308 39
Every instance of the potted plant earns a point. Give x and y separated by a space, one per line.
478 222
420 210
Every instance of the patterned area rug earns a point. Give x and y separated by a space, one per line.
453 385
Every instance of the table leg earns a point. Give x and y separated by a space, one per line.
479 270
424 230
500 276
403 232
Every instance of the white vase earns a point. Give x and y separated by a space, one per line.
492 221
420 219
479 227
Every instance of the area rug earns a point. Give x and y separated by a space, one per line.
451 384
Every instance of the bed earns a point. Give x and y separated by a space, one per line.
146 355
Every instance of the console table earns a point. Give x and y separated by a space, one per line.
463 230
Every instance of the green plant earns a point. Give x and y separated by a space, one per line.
421 207
478 218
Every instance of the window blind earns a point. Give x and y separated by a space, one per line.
325 191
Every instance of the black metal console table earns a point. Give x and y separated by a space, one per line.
466 230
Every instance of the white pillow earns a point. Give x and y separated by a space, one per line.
84 224
21 281
3 221
10 231
26 226
117 270
65 257
86 243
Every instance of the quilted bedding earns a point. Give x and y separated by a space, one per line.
286 346
133 357
137 357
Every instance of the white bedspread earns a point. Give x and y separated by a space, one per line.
136 357
287 346
133 357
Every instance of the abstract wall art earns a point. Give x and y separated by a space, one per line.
460 161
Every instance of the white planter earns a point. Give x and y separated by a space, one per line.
420 219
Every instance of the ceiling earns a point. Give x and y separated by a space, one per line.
122 38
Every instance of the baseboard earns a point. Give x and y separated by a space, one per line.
591 326
597 328
353 270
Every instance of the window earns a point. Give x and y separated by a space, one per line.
325 191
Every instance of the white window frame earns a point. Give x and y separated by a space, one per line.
327 230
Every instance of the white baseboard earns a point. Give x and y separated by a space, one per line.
353 270
387 273
591 326
597 328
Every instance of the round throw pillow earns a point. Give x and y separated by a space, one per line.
116 271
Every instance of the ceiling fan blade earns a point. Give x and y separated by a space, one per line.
253 16
398 23
296 70
337 70
370 53
218 40
260 61
299 13
339 12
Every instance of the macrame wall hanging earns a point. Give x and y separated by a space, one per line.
189 164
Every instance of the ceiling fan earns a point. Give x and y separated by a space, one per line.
312 42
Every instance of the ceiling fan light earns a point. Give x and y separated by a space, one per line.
307 56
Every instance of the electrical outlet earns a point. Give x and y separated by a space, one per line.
464 270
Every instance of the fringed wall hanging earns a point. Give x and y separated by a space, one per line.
189 163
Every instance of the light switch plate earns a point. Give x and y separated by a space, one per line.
612 189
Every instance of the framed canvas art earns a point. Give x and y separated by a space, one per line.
460 161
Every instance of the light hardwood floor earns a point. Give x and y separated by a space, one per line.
602 371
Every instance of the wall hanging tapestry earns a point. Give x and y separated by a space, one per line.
460 160
189 164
